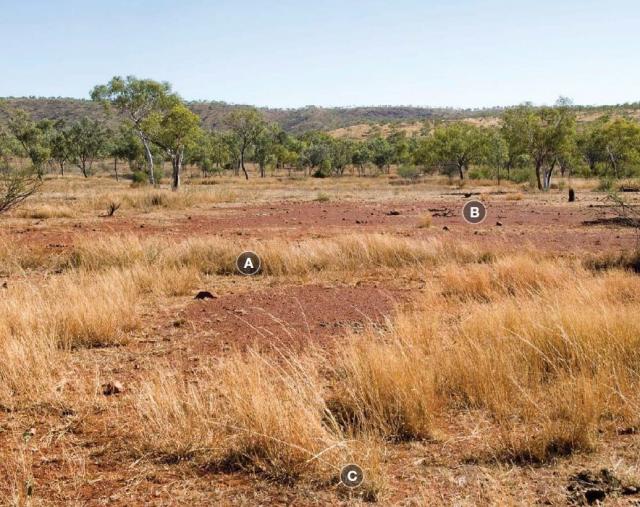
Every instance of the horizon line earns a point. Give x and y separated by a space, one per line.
350 106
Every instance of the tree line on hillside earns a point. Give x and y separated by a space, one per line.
154 125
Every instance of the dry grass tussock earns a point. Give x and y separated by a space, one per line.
39 321
252 413
148 199
44 211
551 363
216 256
547 349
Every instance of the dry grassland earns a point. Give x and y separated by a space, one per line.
526 361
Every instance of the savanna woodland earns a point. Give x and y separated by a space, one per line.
456 364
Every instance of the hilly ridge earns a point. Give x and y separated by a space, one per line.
292 120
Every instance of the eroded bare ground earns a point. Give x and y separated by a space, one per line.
550 226
85 457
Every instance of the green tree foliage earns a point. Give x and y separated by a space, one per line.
246 125
381 153
341 155
496 152
457 144
15 185
515 132
265 152
174 130
60 146
124 144
614 145
137 99
544 135
361 158
211 153
87 141
33 138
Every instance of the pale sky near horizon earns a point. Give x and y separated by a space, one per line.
456 53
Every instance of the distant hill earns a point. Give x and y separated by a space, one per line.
339 119
291 120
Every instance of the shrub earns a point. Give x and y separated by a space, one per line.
409 172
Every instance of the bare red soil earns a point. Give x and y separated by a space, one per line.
288 316
560 227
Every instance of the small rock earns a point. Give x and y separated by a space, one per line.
445 228
111 388
499 224
205 294
393 213
630 490
5 285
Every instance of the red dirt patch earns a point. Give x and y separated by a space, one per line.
549 226
290 315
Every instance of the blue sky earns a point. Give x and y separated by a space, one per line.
334 52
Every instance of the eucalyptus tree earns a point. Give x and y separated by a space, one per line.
137 99
496 151
60 145
459 143
341 155
265 149
210 153
544 136
174 130
515 132
361 157
381 153
246 125
621 146
124 144
550 134
33 138
87 140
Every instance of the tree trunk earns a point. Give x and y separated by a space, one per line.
115 167
246 175
61 168
176 163
461 171
149 155
538 175
547 176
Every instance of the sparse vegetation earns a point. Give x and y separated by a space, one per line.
538 348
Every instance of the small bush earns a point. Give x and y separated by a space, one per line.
409 172
139 177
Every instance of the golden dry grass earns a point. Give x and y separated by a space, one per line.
245 413
548 351
425 221
545 349
355 252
